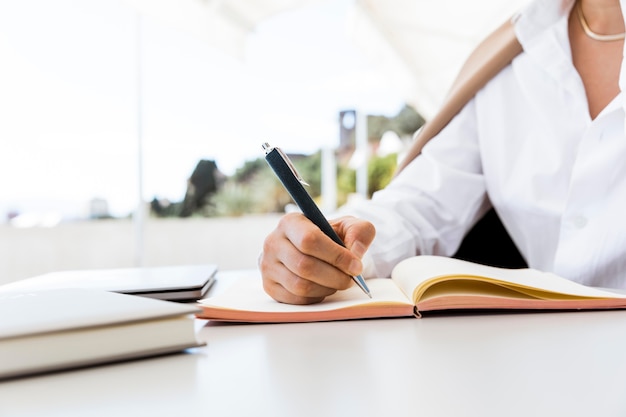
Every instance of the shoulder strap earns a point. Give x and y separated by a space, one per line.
488 59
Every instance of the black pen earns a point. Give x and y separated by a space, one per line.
287 174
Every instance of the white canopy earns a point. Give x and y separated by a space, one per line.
221 23
420 44
423 43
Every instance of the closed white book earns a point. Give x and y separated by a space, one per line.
49 330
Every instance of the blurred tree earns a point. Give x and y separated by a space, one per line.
380 170
249 170
165 208
233 199
405 123
254 188
346 183
310 169
203 182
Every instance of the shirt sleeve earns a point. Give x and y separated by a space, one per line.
431 204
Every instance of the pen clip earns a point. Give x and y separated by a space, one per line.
267 148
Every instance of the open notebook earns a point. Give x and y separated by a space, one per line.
418 285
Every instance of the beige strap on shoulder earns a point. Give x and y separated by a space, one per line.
488 59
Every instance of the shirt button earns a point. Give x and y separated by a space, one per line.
579 222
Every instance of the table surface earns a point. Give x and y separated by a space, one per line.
535 364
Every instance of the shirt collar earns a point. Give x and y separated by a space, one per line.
541 28
539 16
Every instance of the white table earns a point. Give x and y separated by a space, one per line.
542 364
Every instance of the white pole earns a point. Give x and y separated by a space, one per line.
363 151
329 180
139 216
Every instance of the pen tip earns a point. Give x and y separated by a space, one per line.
361 283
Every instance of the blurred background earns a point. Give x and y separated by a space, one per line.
131 130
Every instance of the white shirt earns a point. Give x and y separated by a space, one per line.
526 145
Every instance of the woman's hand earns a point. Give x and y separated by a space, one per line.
301 265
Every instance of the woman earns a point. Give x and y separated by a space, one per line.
543 143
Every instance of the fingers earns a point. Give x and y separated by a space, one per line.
301 265
286 287
356 234
292 276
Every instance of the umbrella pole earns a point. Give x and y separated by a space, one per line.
139 216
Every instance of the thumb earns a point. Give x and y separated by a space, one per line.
357 234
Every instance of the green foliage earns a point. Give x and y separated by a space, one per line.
270 195
260 193
165 208
254 188
380 171
232 200
249 170
346 183
310 169
405 123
